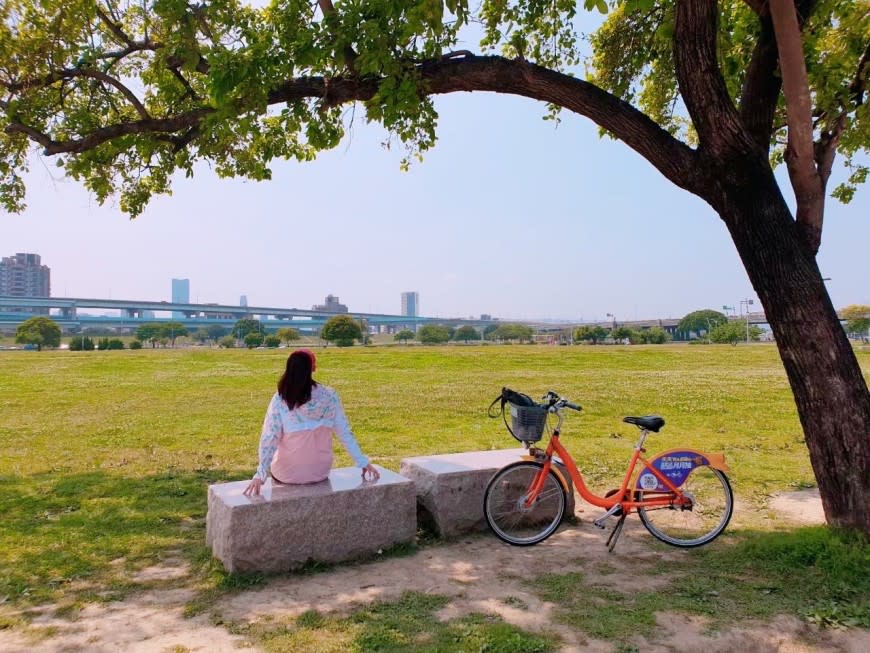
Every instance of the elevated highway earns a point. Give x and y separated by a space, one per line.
71 314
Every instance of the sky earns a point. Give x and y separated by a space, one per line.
509 215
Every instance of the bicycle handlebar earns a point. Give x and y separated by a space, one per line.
554 402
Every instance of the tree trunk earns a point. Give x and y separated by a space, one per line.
829 388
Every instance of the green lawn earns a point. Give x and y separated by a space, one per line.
106 456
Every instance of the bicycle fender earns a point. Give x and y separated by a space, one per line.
555 469
677 464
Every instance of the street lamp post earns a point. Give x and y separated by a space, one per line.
748 303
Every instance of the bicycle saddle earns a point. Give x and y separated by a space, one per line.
649 422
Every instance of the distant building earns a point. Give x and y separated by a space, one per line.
243 301
411 304
23 275
485 316
180 294
331 305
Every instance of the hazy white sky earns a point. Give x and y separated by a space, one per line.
509 215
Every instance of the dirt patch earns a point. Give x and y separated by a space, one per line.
800 507
149 622
479 574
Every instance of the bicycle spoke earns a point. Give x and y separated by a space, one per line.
699 522
508 514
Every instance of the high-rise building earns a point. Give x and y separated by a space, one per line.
23 275
330 305
411 303
180 294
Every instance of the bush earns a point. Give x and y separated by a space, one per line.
433 334
227 342
135 344
81 343
272 341
253 340
103 344
404 335
115 343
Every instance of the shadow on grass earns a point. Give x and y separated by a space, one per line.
82 537
816 573
87 533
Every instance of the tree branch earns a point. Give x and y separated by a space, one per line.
859 85
114 29
350 54
71 73
763 83
761 87
758 6
720 130
673 159
800 151
103 134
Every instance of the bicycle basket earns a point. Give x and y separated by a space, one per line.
527 422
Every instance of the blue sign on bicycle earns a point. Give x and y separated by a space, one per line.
675 465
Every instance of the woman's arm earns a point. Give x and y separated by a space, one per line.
269 437
342 429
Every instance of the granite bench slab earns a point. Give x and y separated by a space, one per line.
341 518
450 487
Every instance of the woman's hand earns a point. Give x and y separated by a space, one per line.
253 489
370 473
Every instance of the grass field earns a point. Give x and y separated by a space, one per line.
106 456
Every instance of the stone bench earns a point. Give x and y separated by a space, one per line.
450 487
341 518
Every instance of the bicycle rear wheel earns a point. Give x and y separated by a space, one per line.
700 523
507 514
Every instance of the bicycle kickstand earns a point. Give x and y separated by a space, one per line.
615 533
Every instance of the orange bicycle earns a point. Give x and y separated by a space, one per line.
682 496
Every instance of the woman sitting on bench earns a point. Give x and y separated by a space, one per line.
296 441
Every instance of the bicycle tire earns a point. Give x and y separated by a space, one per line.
713 504
509 519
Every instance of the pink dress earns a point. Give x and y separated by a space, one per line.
296 445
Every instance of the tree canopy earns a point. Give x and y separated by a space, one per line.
129 94
154 332
287 334
342 330
466 333
244 326
702 321
733 332
519 332
39 331
590 334
433 334
857 318
404 335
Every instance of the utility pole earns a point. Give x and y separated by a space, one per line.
748 303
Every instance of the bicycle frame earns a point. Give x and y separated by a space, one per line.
668 494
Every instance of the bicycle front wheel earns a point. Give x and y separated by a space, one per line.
700 523
511 517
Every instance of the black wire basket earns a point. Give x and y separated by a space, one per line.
528 422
